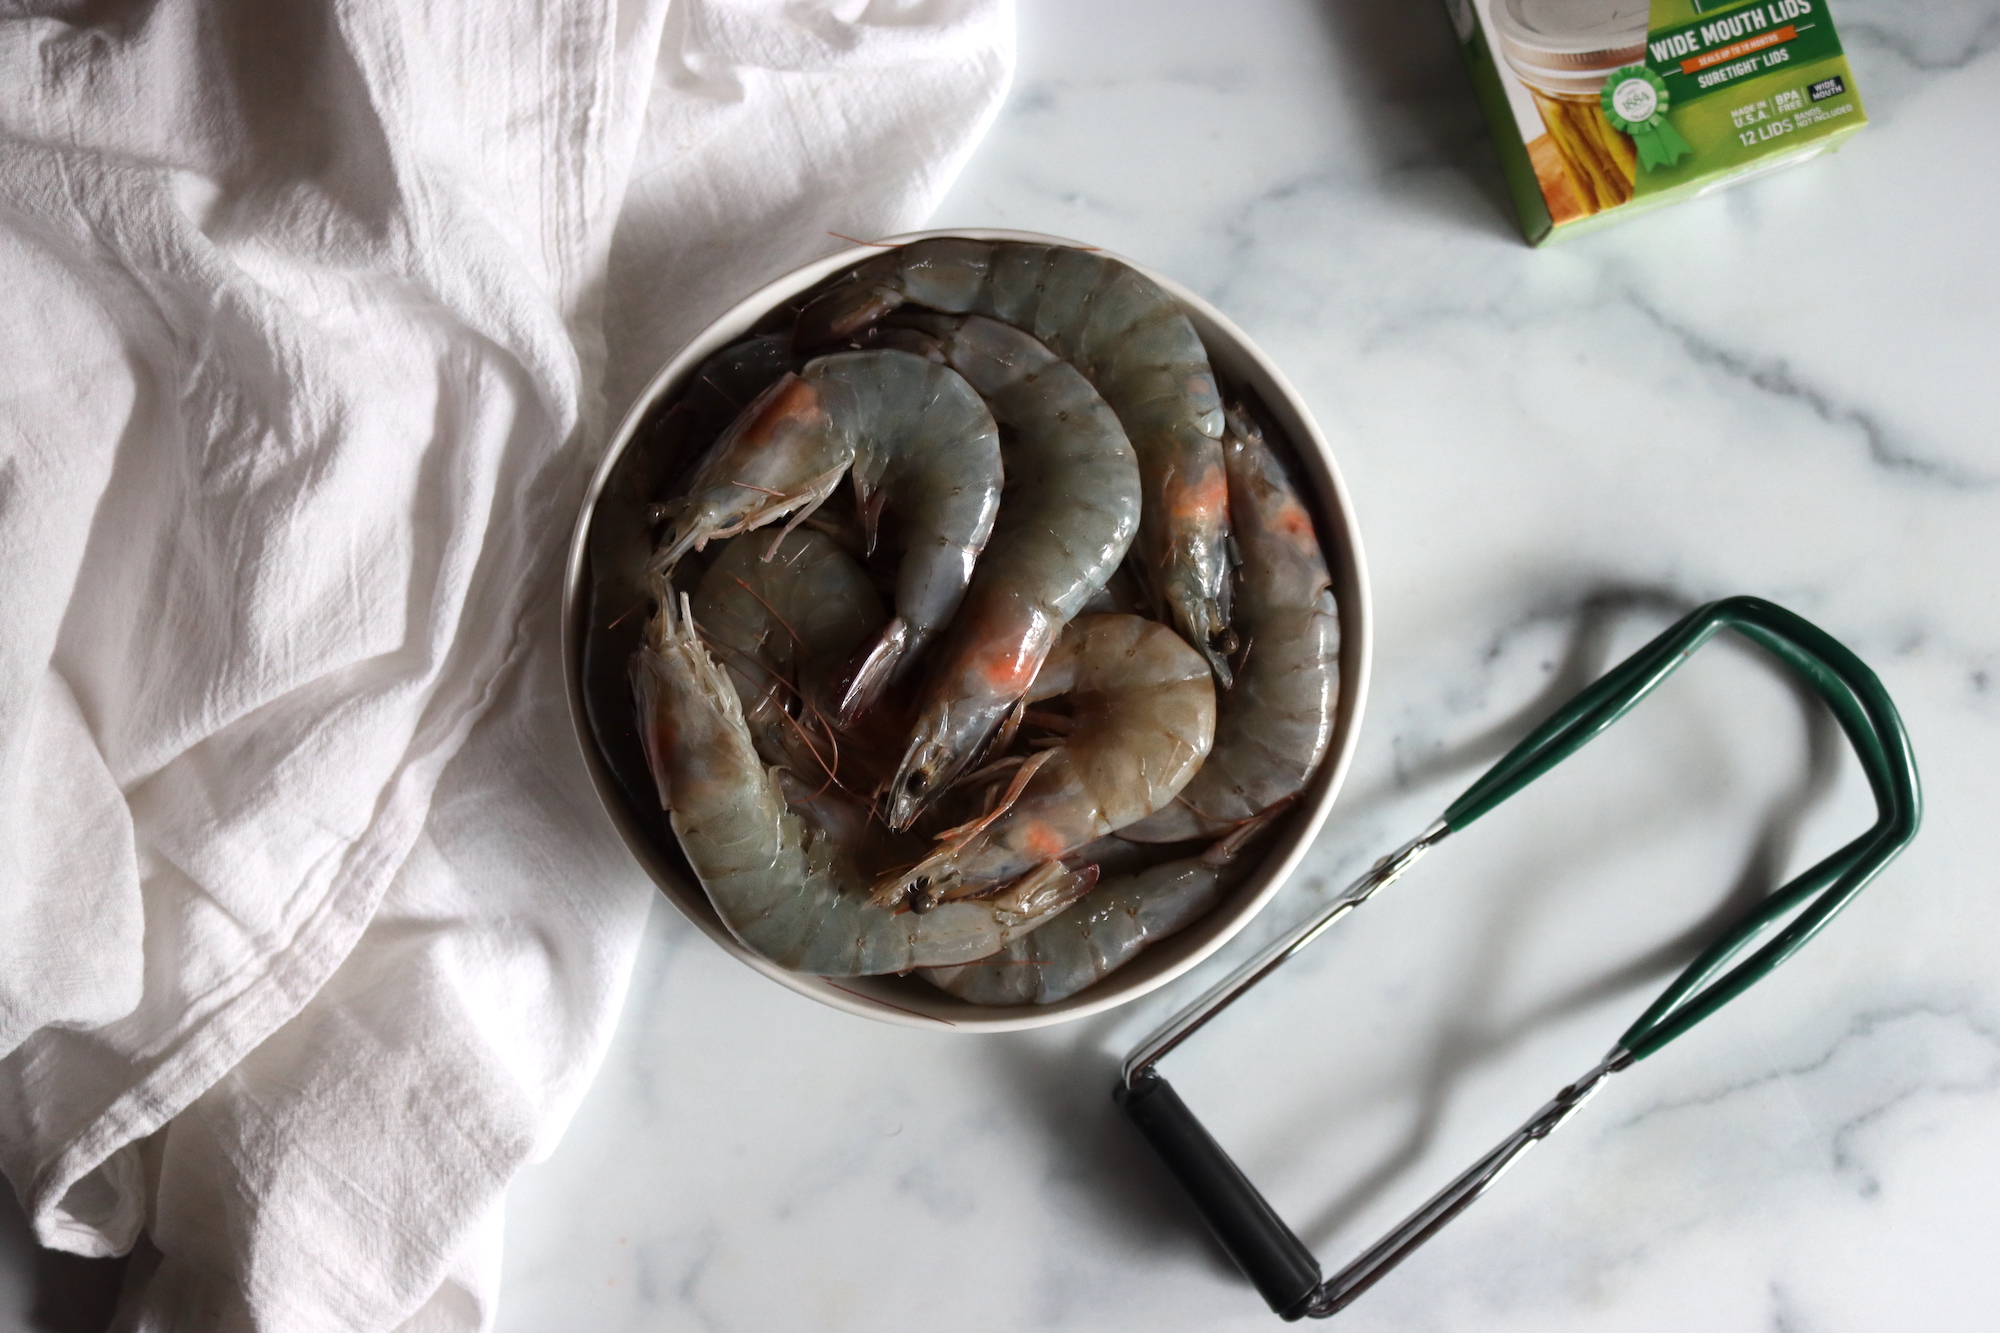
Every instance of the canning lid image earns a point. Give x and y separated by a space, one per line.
1562 51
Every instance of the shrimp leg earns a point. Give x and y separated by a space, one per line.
782 884
1106 930
1132 341
1144 705
1273 725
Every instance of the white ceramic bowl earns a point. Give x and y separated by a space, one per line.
908 1001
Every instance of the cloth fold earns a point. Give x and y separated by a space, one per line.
316 316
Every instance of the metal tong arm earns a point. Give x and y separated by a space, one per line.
1225 992
1251 1231
1865 713
1340 1290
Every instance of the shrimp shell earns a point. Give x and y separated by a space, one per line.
784 887
1132 341
919 442
1144 704
1066 520
1105 931
1274 724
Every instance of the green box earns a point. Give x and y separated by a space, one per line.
1605 108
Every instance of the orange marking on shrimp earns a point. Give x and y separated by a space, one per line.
791 402
1008 669
1207 494
1042 840
1293 521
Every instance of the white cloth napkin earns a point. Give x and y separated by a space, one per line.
314 317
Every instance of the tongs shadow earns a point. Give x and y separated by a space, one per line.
1269 1252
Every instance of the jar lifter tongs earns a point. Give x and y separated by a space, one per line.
1269 1253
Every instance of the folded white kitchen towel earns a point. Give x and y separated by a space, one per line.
313 319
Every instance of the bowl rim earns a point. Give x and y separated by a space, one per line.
1171 958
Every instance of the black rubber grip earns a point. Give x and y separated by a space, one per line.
1282 1268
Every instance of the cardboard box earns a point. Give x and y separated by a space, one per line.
1605 108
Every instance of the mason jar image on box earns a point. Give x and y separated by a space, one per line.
1563 51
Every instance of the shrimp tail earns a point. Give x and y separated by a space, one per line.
862 684
1224 850
1044 891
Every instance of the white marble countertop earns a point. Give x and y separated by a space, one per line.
1785 389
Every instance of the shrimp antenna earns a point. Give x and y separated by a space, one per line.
722 393
955 840
772 609
830 768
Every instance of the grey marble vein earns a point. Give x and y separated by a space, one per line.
1774 375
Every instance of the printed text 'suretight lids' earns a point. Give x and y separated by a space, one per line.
1569 46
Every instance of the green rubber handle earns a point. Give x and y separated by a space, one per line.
1872 726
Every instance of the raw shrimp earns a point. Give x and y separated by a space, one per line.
1273 725
1102 933
1119 594
785 885
1144 705
620 550
1131 340
1066 519
780 625
725 384
918 441
621 542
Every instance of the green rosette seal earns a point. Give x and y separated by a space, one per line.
1635 102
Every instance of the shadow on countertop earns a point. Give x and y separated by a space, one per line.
1099 1159
1401 70
45 1291
1098 1165
1460 1049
